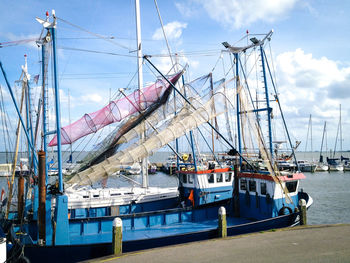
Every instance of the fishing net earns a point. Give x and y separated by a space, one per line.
189 118
115 111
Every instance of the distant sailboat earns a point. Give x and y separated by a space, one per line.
335 163
305 165
321 165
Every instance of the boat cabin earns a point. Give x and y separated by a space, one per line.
260 195
205 186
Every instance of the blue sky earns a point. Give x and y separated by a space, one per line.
310 50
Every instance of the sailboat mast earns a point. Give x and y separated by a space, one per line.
340 130
311 132
140 84
323 134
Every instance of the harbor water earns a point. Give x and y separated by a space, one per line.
329 190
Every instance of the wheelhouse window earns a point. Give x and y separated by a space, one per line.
211 178
190 178
252 186
219 178
263 188
292 186
243 184
228 177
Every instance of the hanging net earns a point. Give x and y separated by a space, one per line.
115 111
186 120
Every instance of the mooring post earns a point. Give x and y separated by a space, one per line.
117 236
222 224
302 204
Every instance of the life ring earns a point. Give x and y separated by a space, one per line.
281 212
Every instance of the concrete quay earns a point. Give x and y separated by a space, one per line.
319 243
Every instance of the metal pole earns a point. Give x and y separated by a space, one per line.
42 196
238 111
144 162
58 111
267 101
44 92
28 122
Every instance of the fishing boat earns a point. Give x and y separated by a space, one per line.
71 224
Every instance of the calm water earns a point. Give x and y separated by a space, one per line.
330 191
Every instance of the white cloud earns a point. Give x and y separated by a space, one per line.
312 77
309 85
173 30
187 9
94 97
235 13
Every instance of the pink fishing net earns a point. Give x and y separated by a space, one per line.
115 111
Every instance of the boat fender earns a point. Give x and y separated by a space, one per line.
283 211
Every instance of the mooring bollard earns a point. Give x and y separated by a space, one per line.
302 204
117 236
222 224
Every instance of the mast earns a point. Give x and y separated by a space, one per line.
238 110
340 130
52 29
25 83
140 85
44 101
311 132
267 101
324 131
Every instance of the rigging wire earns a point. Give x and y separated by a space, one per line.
166 40
94 34
96 51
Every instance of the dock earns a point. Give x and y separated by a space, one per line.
316 243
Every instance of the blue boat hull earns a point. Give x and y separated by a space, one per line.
74 253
